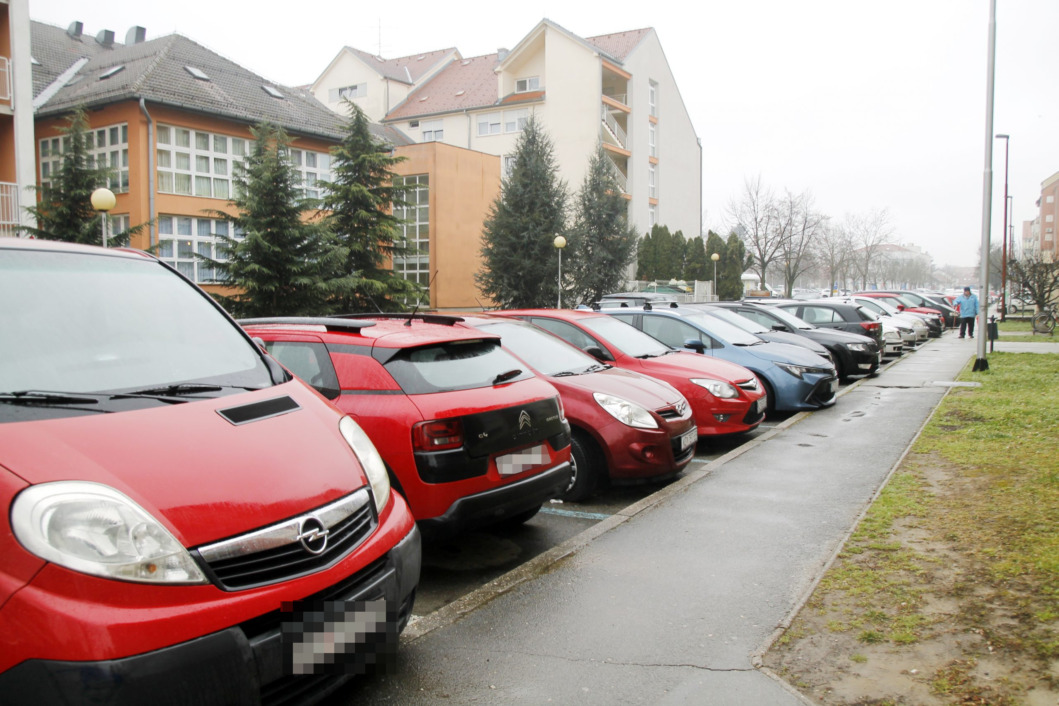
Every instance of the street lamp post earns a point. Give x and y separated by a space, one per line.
103 200
715 257
560 243
1004 254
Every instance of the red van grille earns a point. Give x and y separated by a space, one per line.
293 548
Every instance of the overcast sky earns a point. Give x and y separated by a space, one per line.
868 105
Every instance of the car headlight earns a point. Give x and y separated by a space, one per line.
800 371
370 460
626 412
717 388
94 529
858 347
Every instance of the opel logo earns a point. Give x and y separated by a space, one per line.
524 420
313 535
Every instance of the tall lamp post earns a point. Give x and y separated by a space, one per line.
1004 254
715 257
103 200
560 243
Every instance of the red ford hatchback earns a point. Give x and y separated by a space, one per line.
470 435
627 427
725 398
174 502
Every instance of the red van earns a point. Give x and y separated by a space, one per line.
177 507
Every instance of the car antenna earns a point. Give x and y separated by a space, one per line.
420 300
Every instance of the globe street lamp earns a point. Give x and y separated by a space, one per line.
560 243
715 257
103 200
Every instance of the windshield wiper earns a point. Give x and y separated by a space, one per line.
502 377
597 367
189 388
565 374
37 397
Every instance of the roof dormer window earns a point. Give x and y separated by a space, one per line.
524 85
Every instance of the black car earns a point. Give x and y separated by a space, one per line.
827 313
852 353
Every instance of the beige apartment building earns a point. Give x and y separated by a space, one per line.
1042 231
17 165
616 90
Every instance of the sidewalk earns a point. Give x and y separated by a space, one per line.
671 601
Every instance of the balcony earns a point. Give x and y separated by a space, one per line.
8 209
613 132
619 175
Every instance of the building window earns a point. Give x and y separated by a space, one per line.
652 98
357 91
652 139
433 130
652 181
652 215
414 263
1048 218
515 120
181 239
524 85
108 148
312 168
489 124
1050 198
509 165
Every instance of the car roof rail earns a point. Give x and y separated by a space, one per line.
328 322
443 319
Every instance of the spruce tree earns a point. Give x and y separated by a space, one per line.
696 263
602 244
734 263
520 263
64 209
661 254
280 264
716 244
360 200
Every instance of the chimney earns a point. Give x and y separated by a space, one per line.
75 29
135 35
501 54
105 38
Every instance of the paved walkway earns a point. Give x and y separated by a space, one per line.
671 601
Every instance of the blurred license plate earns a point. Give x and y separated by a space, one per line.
510 464
688 439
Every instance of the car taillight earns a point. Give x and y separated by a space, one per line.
438 435
871 326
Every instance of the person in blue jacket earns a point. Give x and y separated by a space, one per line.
968 307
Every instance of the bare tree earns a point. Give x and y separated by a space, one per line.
1032 275
834 251
799 226
755 219
868 233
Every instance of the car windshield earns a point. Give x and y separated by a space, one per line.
879 307
789 318
78 323
625 337
907 300
542 351
455 365
727 332
738 320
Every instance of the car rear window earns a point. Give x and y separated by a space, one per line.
456 365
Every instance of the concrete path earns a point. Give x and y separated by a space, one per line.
671 601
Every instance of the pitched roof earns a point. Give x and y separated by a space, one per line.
406 69
462 85
156 71
619 44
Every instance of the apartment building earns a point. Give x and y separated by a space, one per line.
17 165
1048 219
616 90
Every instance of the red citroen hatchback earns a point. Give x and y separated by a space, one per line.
470 435
173 501
627 427
725 398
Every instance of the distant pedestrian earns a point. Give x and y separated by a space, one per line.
967 305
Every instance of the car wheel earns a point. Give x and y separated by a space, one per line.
587 467
1012 309
840 370
770 409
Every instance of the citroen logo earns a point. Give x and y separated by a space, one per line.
313 535
524 420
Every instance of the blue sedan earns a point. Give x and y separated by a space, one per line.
796 379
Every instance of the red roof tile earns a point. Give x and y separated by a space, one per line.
620 44
462 85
